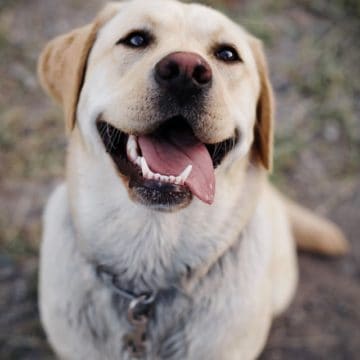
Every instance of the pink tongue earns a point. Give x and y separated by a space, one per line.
171 154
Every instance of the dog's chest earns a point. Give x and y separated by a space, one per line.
179 327
174 325
86 320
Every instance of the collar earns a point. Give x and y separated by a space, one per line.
112 281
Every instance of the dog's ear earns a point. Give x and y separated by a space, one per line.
62 64
264 127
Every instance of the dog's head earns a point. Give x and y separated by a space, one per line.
169 91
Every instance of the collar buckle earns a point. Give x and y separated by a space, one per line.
138 314
139 311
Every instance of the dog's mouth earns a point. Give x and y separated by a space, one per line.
168 166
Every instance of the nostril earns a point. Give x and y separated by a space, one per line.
172 71
202 74
167 70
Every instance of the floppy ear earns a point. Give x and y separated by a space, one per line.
264 127
62 64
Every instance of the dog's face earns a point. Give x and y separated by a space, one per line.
171 92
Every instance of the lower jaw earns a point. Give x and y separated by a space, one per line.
154 194
159 196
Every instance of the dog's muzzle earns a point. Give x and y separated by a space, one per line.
166 166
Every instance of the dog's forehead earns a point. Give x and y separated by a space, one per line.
174 19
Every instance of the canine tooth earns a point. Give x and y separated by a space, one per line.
133 154
145 168
138 161
131 148
178 180
131 144
132 139
128 150
185 174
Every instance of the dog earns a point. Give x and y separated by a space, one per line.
166 241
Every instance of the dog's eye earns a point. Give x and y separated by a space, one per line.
227 53
136 39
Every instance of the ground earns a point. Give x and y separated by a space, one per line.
314 60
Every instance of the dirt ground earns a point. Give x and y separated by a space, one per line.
314 60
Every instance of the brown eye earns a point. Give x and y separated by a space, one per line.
136 39
227 53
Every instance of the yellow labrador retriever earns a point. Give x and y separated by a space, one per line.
166 240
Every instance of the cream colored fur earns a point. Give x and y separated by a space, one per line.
241 249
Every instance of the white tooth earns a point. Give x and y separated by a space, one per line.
132 154
185 174
131 142
131 148
145 168
147 173
132 139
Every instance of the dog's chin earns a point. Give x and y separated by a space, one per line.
161 193
158 195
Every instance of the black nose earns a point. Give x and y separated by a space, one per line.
181 72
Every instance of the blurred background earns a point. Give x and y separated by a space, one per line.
314 57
